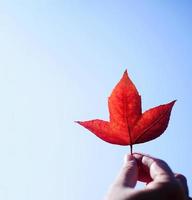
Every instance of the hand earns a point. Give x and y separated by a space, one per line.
162 183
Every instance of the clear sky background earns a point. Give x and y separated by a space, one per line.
59 61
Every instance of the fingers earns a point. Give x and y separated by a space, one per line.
129 172
183 181
155 169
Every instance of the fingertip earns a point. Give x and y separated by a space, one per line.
129 160
181 177
137 155
128 157
145 159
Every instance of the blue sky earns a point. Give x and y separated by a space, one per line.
59 62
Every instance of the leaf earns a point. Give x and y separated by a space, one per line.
127 124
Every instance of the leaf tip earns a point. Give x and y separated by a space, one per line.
173 102
78 122
125 73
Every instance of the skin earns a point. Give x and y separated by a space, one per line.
161 182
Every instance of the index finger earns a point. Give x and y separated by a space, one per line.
158 169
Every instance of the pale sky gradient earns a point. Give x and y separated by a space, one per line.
59 61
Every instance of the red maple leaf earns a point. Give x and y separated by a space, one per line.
128 125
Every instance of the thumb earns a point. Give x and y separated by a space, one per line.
129 172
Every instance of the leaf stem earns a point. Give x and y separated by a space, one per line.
131 149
